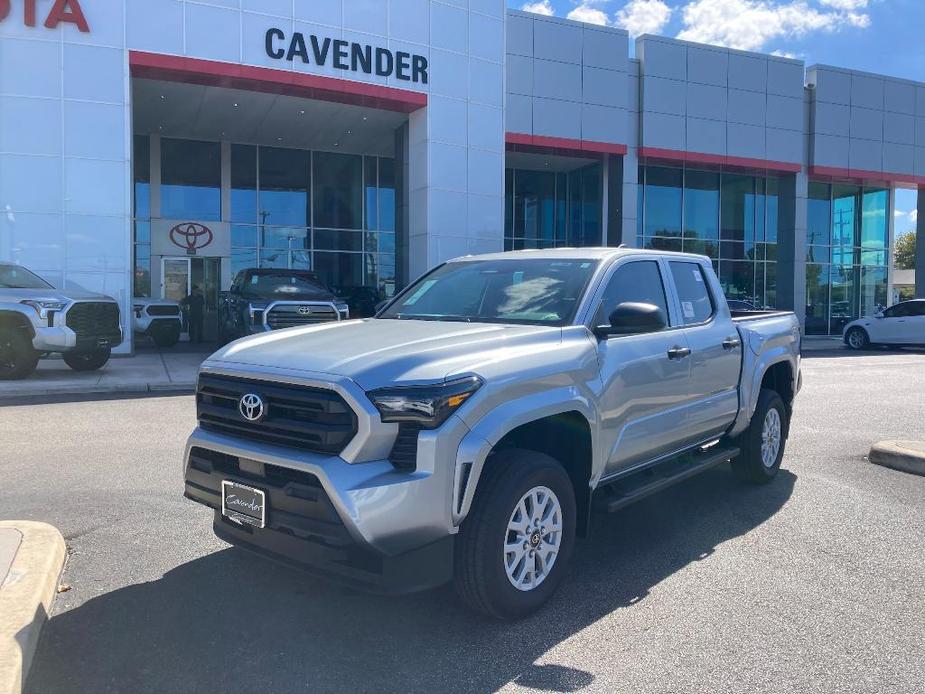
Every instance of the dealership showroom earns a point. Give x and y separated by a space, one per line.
147 146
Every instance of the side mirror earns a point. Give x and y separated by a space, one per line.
633 318
878 314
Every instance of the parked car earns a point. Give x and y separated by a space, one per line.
468 430
263 299
36 319
159 319
902 324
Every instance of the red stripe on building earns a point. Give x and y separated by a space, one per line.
212 73
718 160
865 175
563 145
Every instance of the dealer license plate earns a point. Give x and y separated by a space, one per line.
244 504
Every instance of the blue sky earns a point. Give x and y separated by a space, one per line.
882 36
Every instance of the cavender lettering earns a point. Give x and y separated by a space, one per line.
344 55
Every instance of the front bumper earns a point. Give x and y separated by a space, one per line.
362 522
54 339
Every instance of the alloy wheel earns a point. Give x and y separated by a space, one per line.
533 538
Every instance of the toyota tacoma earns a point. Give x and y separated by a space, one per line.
469 429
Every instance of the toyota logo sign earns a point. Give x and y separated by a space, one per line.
192 236
251 407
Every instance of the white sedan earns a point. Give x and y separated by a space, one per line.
900 324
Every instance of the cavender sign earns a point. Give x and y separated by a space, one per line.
345 55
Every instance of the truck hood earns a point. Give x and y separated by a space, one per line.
376 353
58 295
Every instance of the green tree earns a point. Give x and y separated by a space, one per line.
904 256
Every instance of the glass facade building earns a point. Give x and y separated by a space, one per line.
730 217
847 251
549 209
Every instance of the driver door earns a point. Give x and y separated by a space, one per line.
645 377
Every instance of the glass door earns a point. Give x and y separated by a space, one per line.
206 273
175 278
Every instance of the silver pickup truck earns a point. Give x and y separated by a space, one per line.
36 319
468 431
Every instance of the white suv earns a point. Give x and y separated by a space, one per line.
37 319
902 324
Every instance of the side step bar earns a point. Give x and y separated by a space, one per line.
632 488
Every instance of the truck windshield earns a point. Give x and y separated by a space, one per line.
284 284
538 291
15 277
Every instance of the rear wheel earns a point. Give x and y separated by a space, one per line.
87 361
857 338
762 444
514 547
17 357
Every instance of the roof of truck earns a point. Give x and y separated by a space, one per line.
590 253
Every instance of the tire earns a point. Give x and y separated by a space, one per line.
17 357
754 463
87 361
481 575
166 338
857 339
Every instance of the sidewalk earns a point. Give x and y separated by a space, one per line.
149 371
31 558
820 343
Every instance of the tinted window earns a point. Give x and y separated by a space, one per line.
917 308
639 282
14 277
696 305
902 310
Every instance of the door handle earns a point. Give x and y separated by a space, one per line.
677 352
731 343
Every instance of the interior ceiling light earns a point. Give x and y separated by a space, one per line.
235 105
302 112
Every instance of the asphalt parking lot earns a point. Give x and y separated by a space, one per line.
814 583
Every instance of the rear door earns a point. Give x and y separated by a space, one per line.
716 351
645 377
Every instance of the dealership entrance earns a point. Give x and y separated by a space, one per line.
228 179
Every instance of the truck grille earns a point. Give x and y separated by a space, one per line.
163 310
310 419
294 315
91 319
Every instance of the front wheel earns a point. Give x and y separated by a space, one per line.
17 357
87 361
762 444
166 338
857 338
513 549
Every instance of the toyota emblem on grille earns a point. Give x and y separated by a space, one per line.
305 310
251 407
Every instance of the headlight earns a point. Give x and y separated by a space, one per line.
138 308
430 406
42 307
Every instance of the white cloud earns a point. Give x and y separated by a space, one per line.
643 16
783 54
910 215
543 7
751 24
585 12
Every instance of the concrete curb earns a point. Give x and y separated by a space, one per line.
26 596
908 456
26 396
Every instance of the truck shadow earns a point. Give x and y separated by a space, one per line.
231 621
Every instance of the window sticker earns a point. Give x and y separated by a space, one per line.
421 291
697 275
688 309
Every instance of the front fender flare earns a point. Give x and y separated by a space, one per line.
475 447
